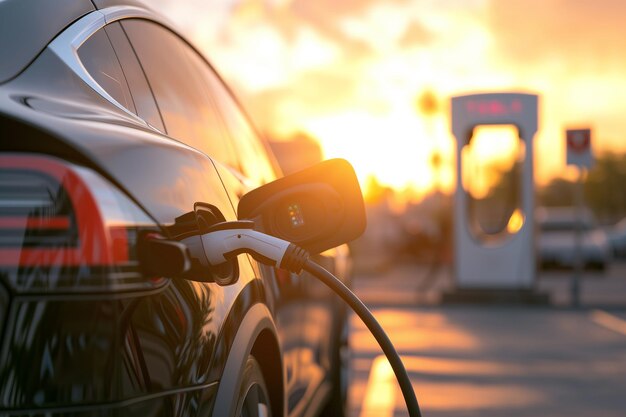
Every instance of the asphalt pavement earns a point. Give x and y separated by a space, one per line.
492 360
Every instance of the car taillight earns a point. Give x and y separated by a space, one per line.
64 227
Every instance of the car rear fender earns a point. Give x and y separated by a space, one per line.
257 335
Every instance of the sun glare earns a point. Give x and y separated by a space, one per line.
516 221
393 148
349 75
491 153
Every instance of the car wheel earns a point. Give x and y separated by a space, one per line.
337 405
253 398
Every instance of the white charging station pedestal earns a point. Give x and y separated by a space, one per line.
499 267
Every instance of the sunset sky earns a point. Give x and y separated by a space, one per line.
352 73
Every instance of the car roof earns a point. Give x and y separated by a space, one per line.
27 26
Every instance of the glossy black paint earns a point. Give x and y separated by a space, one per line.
156 351
38 22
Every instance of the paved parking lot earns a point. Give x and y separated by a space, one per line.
493 360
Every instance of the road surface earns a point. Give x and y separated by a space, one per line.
492 360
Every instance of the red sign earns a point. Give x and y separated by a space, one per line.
578 142
494 107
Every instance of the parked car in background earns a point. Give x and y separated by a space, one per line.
617 239
557 239
116 134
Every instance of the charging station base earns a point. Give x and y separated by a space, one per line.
495 296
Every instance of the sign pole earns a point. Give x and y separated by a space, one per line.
580 155
578 236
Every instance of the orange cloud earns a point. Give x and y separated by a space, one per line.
586 35
416 34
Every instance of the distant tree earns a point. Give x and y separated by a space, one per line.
604 189
559 192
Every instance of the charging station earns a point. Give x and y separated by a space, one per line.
490 256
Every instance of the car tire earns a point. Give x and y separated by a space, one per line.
337 405
253 399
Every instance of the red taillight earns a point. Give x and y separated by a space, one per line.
29 223
60 217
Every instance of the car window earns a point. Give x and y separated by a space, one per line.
99 59
140 90
253 156
188 113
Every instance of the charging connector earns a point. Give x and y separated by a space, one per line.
224 241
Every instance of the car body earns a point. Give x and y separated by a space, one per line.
115 132
617 239
557 239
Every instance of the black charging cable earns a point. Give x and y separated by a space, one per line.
224 241
374 327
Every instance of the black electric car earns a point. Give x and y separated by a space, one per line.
118 140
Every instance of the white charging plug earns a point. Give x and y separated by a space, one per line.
223 241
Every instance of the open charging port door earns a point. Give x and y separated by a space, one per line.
317 208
